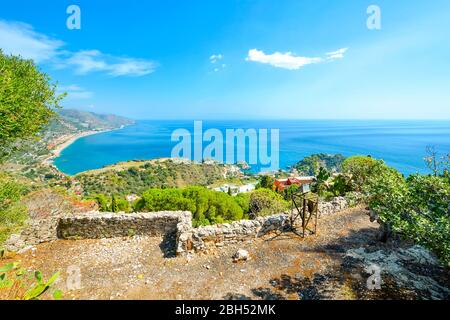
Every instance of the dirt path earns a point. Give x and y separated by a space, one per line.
330 265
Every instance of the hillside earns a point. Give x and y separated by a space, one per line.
32 157
83 120
138 176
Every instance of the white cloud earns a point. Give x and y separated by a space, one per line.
281 60
93 60
20 39
290 61
338 54
75 92
215 58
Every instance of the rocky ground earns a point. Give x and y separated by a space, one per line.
334 264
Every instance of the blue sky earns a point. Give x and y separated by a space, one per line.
243 59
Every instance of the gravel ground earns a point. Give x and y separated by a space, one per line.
329 265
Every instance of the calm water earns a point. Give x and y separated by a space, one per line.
400 143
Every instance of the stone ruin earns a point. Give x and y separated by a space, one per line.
97 225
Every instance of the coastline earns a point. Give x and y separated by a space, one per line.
67 141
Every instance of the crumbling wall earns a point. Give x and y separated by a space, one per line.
97 225
202 238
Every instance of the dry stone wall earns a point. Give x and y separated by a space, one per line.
108 225
206 237
96 225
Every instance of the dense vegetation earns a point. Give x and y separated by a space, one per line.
265 202
12 214
151 174
27 104
207 206
418 208
311 165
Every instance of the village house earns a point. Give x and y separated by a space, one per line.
281 184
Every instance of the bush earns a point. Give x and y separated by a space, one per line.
243 200
207 206
12 214
264 202
265 181
416 208
359 169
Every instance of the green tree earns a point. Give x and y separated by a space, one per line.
207 206
27 101
359 169
102 202
266 181
416 208
243 200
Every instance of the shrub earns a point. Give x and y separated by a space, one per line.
243 200
264 202
207 206
416 208
12 214
265 181
359 169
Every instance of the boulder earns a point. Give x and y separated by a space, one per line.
241 255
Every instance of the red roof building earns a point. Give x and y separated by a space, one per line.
281 184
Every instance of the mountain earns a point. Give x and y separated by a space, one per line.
32 156
84 120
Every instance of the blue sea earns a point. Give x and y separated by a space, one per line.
401 144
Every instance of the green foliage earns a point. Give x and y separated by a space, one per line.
27 101
340 185
320 187
359 169
207 206
113 204
243 200
12 214
289 191
312 164
417 208
102 202
264 202
141 177
18 283
265 181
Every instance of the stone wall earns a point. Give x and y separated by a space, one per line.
96 225
202 238
109 225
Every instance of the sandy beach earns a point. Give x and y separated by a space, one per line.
66 141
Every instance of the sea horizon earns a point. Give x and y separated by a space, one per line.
400 143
